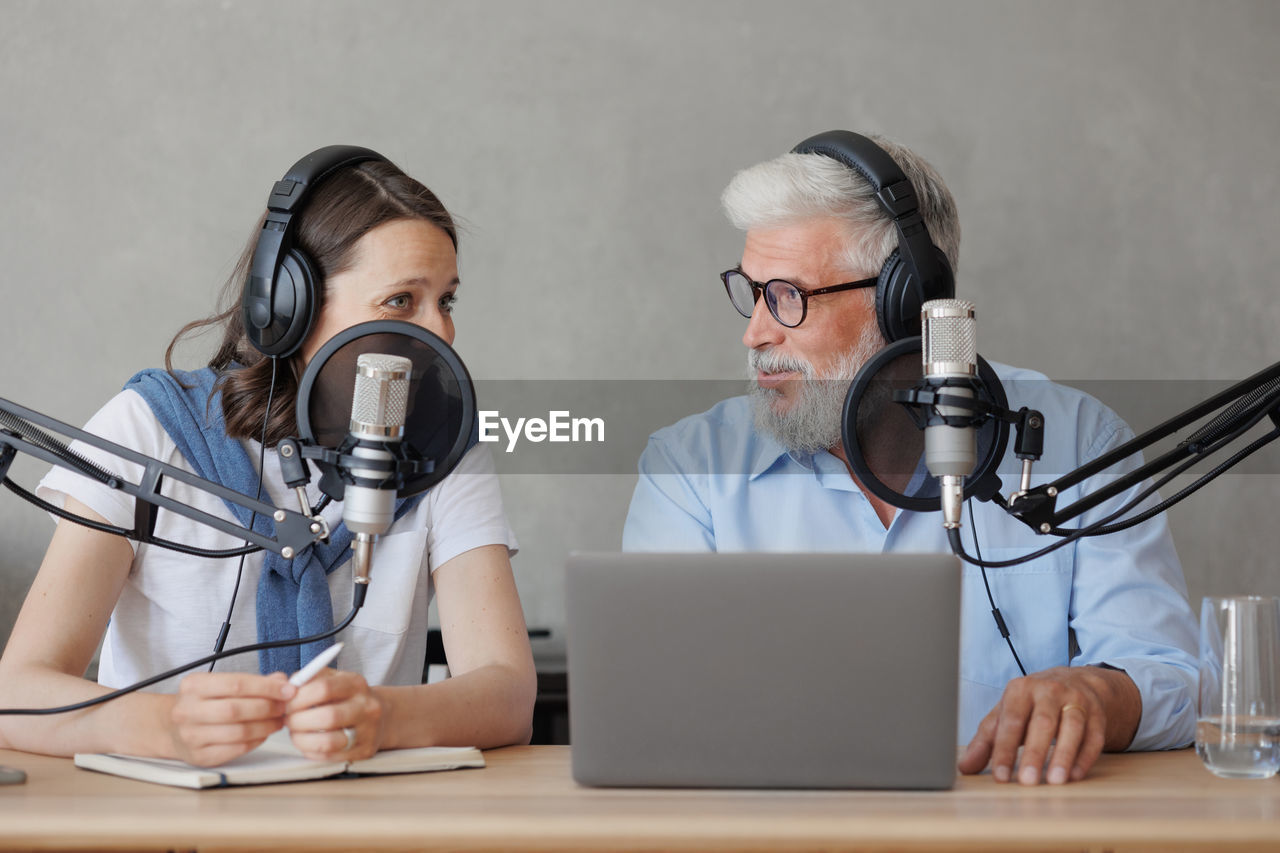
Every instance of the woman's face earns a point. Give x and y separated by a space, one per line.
402 270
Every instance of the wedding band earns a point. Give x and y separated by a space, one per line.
351 737
1074 707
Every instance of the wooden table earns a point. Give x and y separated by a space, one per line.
526 799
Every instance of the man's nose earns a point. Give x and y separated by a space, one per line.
762 328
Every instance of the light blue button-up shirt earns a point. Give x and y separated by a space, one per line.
711 482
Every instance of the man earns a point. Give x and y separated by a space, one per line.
1102 625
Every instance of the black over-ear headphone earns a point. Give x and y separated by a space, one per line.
918 270
282 294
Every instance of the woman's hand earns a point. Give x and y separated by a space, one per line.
218 716
336 715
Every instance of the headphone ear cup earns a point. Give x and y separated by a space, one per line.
945 284
293 309
897 302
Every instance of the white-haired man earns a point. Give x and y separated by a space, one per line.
1102 625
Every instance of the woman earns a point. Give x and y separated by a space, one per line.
381 246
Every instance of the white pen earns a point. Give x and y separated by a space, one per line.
313 667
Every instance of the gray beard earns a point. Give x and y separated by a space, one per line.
813 421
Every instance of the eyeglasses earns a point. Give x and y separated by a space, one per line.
787 303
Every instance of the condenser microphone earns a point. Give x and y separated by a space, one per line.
377 425
949 354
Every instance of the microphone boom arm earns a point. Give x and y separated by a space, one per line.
293 531
1254 397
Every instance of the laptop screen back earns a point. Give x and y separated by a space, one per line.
763 670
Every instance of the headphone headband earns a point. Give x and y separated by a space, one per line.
278 314
927 274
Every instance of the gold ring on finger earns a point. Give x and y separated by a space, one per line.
1073 707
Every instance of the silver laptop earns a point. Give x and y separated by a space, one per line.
763 670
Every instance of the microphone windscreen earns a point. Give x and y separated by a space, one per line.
439 406
949 337
381 395
884 445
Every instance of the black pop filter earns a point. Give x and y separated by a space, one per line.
886 448
440 418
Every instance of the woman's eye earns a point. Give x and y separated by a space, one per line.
447 302
402 300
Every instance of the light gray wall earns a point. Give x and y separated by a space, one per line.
1114 164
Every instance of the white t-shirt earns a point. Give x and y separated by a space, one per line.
173 604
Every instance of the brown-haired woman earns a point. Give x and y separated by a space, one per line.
384 248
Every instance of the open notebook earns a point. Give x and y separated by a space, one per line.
277 760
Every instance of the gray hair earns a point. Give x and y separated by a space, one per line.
793 188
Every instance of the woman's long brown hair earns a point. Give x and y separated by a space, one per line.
339 211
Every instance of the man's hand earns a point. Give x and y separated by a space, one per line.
1085 709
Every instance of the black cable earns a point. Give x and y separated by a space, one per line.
225 629
357 602
1187 491
958 547
53 509
1001 625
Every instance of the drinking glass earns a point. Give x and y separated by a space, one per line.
1238 722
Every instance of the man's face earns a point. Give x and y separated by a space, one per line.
810 256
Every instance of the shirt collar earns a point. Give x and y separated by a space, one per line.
769 452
